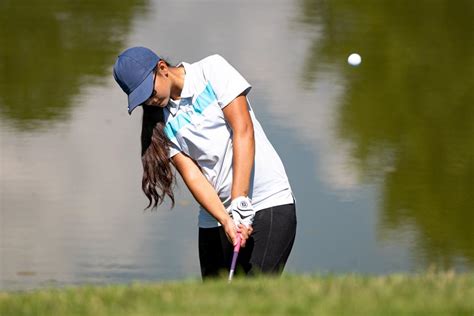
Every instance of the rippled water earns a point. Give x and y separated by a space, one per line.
380 156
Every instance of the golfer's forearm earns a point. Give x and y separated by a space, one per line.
243 160
207 197
200 188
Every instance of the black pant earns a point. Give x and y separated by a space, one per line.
266 250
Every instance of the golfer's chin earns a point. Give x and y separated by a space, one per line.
161 104
164 103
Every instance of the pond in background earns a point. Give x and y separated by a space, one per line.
380 156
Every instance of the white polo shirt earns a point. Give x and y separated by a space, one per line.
196 126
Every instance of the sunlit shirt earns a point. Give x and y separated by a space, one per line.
195 124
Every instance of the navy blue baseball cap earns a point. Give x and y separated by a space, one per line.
133 71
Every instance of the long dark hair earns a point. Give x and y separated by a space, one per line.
158 176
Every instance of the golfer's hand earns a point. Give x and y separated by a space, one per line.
245 233
241 211
232 231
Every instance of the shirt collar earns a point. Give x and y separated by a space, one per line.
173 106
186 92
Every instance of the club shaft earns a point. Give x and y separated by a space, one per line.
234 257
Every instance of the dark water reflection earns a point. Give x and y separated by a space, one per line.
408 112
48 51
381 156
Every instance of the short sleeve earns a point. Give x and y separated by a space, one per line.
173 150
225 80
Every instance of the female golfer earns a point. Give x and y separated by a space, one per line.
197 118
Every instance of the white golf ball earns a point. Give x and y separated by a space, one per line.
354 59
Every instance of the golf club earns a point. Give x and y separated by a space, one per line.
234 257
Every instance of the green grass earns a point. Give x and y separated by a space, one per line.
424 294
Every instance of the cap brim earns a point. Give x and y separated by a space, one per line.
141 93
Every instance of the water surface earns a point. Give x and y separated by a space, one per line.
380 156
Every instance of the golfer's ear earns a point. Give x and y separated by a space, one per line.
162 67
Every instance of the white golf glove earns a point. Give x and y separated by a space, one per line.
241 211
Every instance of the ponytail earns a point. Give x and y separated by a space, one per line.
158 177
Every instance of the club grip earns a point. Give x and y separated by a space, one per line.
237 246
